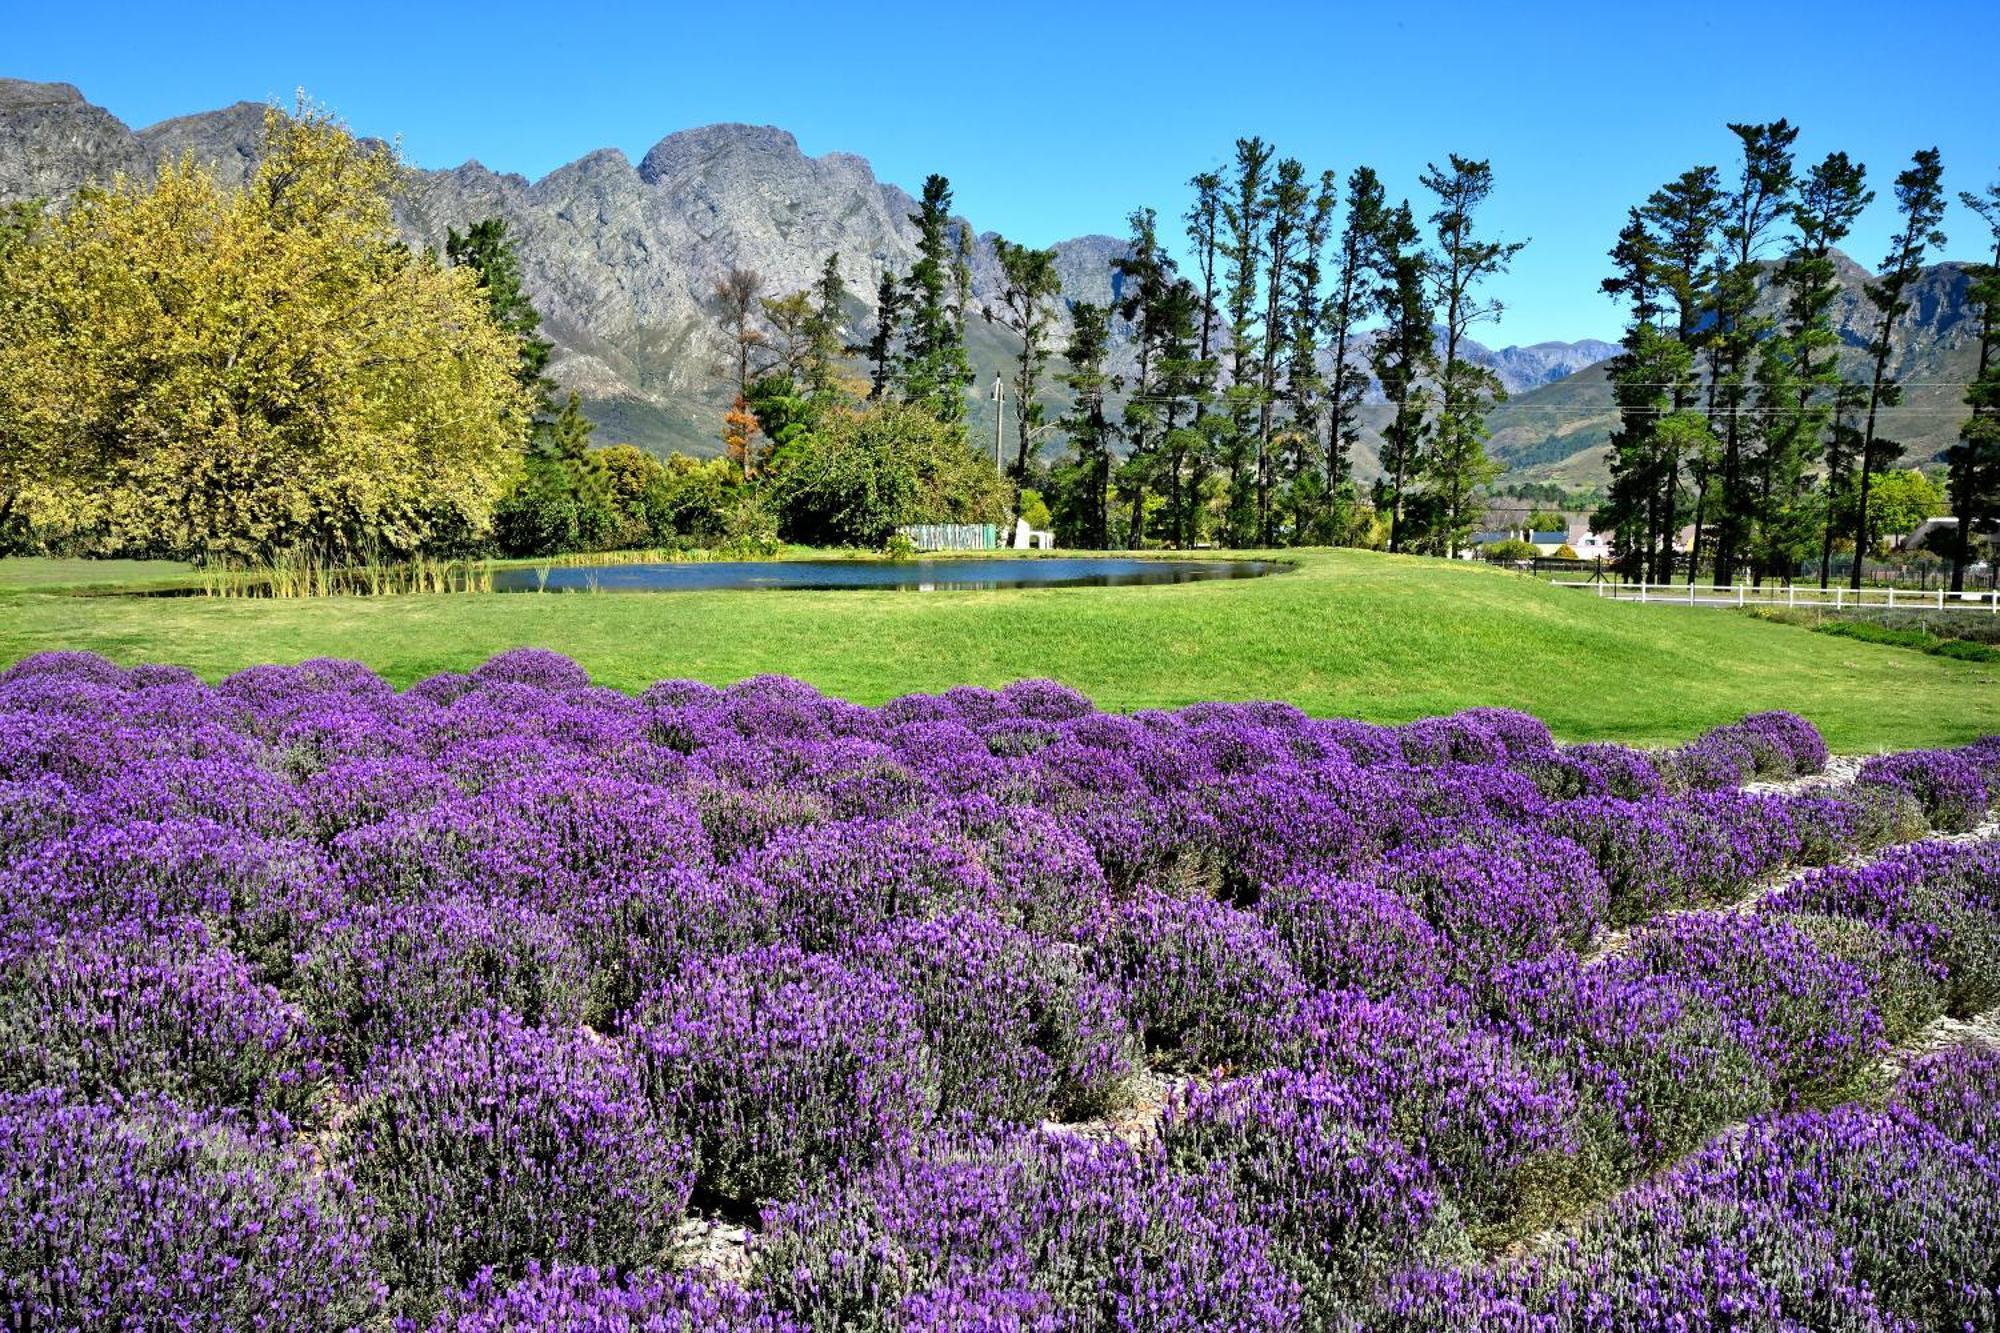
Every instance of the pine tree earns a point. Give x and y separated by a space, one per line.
487 251
822 330
1457 467
1197 450
1402 356
1243 212
1974 462
1348 307
1798 426
934 370
1030 285
1640 502
1920 200
1683 216
1083 485
883 347
1284 209
1762 196
1303 319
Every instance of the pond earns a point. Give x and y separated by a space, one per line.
903 575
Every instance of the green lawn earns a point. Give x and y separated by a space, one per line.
1352 633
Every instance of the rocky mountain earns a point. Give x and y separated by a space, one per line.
1558 432
622 259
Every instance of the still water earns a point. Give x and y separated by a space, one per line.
906 575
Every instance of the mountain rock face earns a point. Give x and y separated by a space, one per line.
622 260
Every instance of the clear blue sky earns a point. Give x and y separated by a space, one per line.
1057 119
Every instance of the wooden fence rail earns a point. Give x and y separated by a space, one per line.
1742 594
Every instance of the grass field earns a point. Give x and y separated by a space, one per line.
1350 633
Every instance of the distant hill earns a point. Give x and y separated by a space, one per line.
1558 432
621 259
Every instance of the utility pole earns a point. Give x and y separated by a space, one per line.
999 419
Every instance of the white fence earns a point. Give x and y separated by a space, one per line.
1840 599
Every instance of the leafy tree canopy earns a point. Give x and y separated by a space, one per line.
192 371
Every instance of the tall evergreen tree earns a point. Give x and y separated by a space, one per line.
934 370
1761 197
1146 277
1348 307
1457 467
1403 356
885 344
1803 358
1200 447
1082 489
1243 210
1285 208
1684 216
1974 462
1639 505
1029 288
822 329
486 249
1304 318
1920 200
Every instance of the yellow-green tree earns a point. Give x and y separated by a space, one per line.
193 371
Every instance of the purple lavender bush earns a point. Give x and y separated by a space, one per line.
1346 1206
1940 900
1948 787
1061 1232
114 1013
1656 1067
1956 1092
779 1065
398 974
1202 980
538 965
1500 1134
1805 1015
147 1216
1019 1029
578 1298
498 1144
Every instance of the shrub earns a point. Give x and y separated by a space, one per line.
498 1144
829 884
1019 1030
114 1013
399 974
1657 1068
1500 898
1955 1091
1202 979
1345 1206
149 1216
581 1299
778 1065
1903 986
1940 901
1803 1219
1344 935
1806 1016
1947 786
1078 1233
1499 1134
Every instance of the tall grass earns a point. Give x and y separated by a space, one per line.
301 575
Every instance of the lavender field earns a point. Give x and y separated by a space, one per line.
508 1002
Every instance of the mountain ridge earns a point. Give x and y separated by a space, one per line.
621 257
